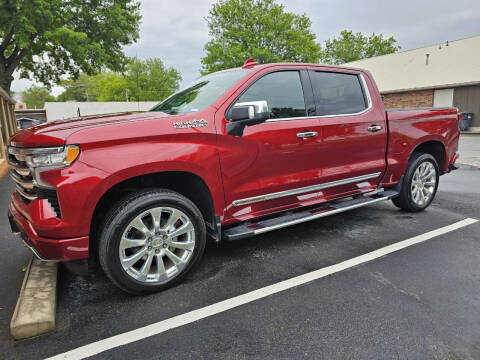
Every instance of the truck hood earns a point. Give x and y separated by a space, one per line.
55 133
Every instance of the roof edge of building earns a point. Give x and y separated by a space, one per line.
435 87
405 51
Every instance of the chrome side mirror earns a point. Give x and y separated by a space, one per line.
254 107
246 114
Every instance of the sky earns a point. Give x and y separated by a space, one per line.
176 31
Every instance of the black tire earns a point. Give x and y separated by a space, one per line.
120 216
404 200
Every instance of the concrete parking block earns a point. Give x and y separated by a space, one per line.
36 306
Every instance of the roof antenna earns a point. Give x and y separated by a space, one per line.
427 56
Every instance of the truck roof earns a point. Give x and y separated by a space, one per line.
333 67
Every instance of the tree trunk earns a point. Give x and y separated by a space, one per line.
6 81
8 65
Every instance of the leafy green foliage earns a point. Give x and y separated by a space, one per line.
351 47
109 86
261 29
76 90
36 96
143 80
45 39
151 80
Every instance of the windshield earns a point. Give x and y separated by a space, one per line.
202 93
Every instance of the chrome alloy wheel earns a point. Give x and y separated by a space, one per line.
157 245
423 183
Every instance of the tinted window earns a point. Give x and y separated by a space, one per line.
337 93
201 93
282 91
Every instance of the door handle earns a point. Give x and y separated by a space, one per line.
306 134
374 128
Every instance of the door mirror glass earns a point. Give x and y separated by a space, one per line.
239 113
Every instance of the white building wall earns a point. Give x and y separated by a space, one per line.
449 65
71 109
443 98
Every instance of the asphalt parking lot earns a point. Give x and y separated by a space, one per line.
422 302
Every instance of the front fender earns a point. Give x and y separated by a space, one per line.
124 162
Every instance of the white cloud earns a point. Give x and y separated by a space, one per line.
176 31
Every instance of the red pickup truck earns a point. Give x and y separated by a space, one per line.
235 154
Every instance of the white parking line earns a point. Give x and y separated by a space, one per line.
195 315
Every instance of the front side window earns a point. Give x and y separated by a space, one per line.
201 93
337 93
281 90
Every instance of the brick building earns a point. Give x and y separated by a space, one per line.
446 74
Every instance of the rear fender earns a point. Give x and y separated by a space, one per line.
399 153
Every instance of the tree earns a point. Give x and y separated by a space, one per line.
351 47
109 86
36 96
45 39
105 86
143 80
262 29
151 80
76 89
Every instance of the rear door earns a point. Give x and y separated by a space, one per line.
265 169
353 131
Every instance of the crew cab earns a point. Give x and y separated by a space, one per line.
235 154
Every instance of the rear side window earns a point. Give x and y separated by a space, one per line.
283 92
337 93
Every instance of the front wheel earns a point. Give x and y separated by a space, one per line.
151 240
420 183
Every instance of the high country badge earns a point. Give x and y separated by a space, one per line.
190 124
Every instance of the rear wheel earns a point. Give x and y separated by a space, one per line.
151 240
420 183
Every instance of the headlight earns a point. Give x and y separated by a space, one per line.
32 162
50 158
53 158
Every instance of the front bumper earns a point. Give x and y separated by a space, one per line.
47 249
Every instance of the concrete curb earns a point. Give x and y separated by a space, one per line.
36 306
472 130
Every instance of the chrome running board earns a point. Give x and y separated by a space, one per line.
249 229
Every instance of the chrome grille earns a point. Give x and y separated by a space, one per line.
21 174
25 184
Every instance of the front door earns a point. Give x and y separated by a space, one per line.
264 168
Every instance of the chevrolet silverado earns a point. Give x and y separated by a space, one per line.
235 154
